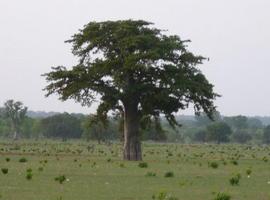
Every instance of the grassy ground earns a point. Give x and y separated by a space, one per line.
98 173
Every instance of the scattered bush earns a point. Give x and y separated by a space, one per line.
163 196
143 165
248 172
222 196
40 169
169 174
29 175
4 170
150 174
60 178
214 165
235 180
22 160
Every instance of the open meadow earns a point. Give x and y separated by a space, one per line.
78 170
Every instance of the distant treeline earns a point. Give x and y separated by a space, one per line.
236 129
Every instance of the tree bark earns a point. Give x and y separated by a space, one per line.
132 143
15 136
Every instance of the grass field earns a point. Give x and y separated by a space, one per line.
93 172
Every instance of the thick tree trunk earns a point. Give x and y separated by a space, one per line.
15 136
132 143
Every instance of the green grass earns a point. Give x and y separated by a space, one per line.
101 174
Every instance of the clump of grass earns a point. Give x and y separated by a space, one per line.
265 159
22 160
163 196
150 174
143 165
40 169
122 165
235 180
222 196
60 179
248 171
169 174
7 159
214 165
234 162
29 175
4 170
29 170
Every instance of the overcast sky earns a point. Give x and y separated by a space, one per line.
234 34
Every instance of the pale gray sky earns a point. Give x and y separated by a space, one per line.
234 34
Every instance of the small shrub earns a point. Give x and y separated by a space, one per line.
214 165
169 174
235 180
22 160
248 172
222 196
60 179
7 159
40 169
143 165
150 174
122 165
234 162
29 176
29 170
163 196
4 170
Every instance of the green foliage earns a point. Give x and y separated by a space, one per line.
29 175
241 136
133 67
266 135
98 129
214 165
235 180
237 122
163 196
4 170
150 174
169 174
143 165
222 196
60 179
248 171
61 126
200 136
16 113
22 160
219 132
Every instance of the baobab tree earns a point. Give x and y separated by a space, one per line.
132 67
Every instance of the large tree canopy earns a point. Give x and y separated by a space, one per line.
132 67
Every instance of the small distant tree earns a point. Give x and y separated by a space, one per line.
254 123
63 126
200 136
153 130
15 111
237 122
266 135
203 119
241 136
94 128
219 132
